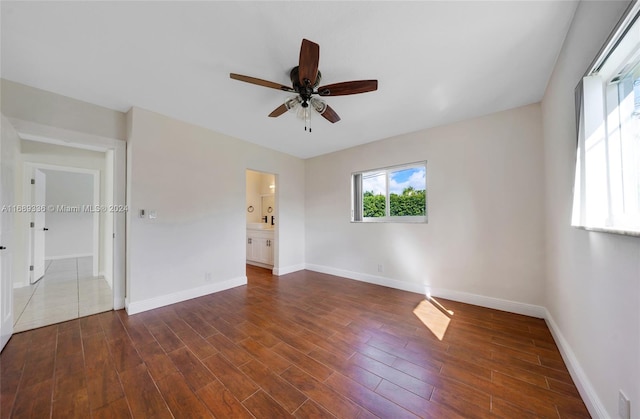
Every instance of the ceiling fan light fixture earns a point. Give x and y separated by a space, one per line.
292 103
319 105
304 112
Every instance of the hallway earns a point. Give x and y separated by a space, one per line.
67 291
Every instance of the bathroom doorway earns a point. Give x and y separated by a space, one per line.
261 219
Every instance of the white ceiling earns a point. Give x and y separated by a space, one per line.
436 62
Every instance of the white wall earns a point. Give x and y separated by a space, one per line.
195 180
593 279
70 233
47 108
484 192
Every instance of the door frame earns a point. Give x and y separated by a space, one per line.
9 154
28 130
29 167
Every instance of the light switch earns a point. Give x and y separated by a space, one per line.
153 215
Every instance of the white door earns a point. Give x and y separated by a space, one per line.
38 228
8 147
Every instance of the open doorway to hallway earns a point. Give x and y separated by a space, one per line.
67 290
29 143
68 266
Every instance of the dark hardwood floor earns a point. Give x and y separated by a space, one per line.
306 345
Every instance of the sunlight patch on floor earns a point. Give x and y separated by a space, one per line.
433 315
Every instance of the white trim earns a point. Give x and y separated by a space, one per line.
464 297
585 388
372 279
78 255
164 300
288 269
54 135
517 307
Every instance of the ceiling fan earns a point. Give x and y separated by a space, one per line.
305 78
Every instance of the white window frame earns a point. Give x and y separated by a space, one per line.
357 210
600 194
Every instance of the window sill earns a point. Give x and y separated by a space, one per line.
398 220
609 231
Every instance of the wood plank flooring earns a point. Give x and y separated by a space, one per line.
303 345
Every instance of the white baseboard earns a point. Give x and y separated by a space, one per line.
425 289
288 269
371 279
491 302
586 390
164 300
74 256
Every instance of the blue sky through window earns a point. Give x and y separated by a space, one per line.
398 181
402 179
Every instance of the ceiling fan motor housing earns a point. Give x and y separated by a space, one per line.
305 91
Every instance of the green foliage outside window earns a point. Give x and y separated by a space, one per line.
373 205
412 202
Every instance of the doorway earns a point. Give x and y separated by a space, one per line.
68 277
66 221
50 148
262 219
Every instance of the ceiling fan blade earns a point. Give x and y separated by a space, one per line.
261 82
278 111
308 65
348 88
330 115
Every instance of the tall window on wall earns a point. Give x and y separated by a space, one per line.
607 182
391 194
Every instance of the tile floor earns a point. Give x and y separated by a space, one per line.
67 291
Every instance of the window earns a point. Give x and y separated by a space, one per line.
393 194
607 182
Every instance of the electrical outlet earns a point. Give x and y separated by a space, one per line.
624 406
380 267
207 277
